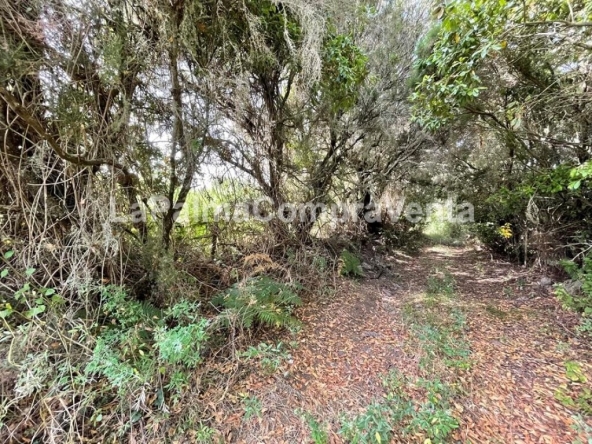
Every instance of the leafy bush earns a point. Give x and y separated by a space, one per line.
350 265
581 299
579 302
433 417
318 431
270 356
182 344
139 346
260 301
434 420
399 411
251 406
29 301
372 426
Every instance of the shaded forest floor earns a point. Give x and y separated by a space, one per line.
470 341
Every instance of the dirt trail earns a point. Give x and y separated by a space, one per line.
519 341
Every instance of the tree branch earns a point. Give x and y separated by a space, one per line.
34 123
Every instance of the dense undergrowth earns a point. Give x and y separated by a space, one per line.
102 364
121 366
106 364
109 362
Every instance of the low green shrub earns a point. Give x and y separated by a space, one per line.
270 356
260 301
139 344
318 431
580 300
400 413
252 407
350 265
27 303
372 426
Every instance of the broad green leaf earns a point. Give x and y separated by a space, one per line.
575 185
34 311
573 372
5 313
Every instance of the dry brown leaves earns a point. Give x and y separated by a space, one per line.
519 339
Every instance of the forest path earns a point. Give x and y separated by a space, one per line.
489 341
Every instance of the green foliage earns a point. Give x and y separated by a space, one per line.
580 401
585 326
584 401
498 68
444 343
439 327
581 301
251 406
201 205
126 312
178 381
406 236
372 426
440 283
433 417
140 344
182 344
441 231
580 174
398 411
546 182
344 70
469 32
204 434
260 301
434 421
524 204
350 265
320 263
270 356
107 362
27 303
575 395
573 372
318 432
